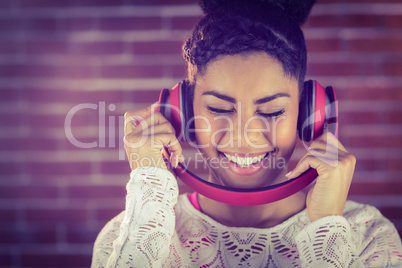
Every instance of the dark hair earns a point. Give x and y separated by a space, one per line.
233 27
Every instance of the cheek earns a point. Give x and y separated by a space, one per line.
209 131
286 131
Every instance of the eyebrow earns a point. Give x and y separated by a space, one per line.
258 101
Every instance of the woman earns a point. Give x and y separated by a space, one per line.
246 68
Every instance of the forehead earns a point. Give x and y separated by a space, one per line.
252 73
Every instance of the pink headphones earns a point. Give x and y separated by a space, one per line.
317 110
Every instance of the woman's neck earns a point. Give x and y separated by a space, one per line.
262 216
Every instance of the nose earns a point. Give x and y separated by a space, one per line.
253 132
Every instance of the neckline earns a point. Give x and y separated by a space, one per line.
191 203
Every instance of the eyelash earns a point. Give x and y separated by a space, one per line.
222 111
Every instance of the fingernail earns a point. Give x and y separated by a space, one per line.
288 174
172 159
176 161
181 158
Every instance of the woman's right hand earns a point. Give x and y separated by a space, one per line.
146 133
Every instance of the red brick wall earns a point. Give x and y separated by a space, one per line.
116 56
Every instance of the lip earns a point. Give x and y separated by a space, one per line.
244 154
246 171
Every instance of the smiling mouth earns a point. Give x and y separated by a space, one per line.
245 161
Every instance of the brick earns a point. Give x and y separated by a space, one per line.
106 214
392 117
10 120
31 144
178 71
393 68
369 165
374 141
371 1
43 3
101 191
6 260
387 44
393 21
323 45
57 168
11 25
394 164
38 95
376 188
67 145
81 235
8 47
10 95
97 48
341 69
10 168
52 216
48 46
115 167
355 21
360 117
144 96
33 236
48 25
372 93
46 71
161 47
55 260
8 215
98 3
158 2
16 192
184 23
77 24
392 212
6 4
132 71
87 117
130 23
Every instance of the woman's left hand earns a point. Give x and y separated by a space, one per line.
335 168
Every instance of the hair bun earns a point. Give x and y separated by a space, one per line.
297 9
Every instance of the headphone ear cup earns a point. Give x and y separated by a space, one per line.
164 103
187 113
332 115
305 121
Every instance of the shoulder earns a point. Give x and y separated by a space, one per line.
357 212
367 221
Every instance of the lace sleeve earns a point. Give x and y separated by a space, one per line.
147 226
362 238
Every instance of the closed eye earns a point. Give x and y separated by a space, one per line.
224 111
219 111
271 115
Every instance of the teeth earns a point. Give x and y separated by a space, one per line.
245 161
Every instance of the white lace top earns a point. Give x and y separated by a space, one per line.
161 229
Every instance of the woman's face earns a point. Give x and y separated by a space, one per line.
246 112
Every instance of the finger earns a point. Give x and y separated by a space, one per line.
162 128
310 161
169 141
138 124
133 118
